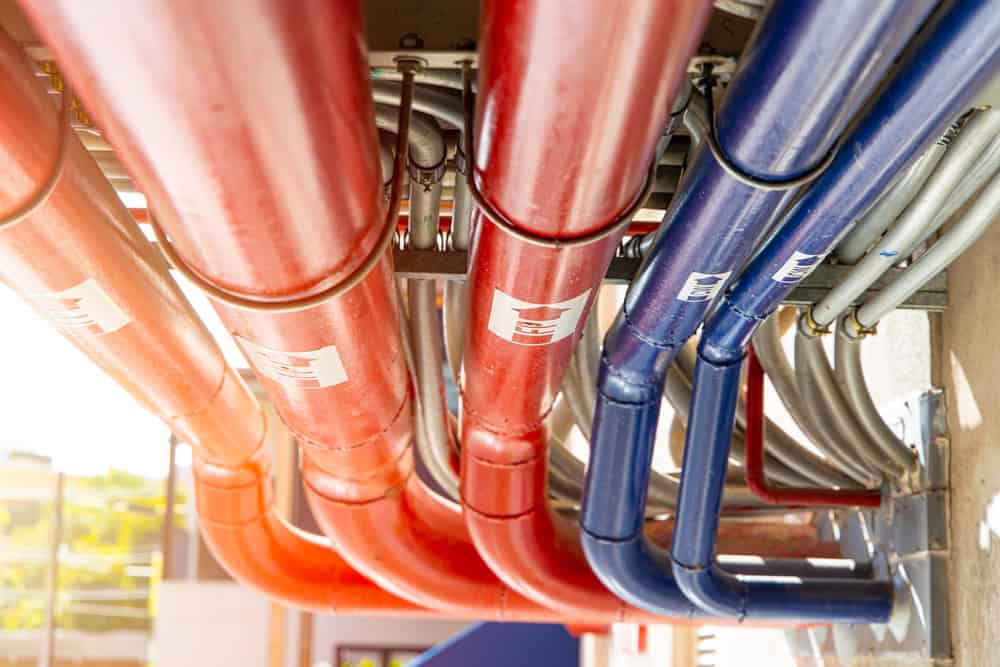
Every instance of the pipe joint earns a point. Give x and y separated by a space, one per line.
727 335
712 591
233 495
632 570
622 386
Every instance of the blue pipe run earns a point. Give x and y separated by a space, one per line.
956 57
807 71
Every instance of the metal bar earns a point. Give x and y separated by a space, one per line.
451 265
167 539
48 656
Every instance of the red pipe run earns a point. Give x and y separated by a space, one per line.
269 232
754 464
572 102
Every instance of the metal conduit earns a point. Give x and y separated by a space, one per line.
433 433
843 439
976 135
885 211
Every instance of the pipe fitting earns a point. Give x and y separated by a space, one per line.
808 325
853 328
233 495
426 177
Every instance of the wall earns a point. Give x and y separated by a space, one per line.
330 631
210 624
224 624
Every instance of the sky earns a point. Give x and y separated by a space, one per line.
55 401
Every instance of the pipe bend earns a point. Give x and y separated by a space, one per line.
714 592
426 143
631 370
727 335
629 569
257 547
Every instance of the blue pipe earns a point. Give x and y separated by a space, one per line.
806 72
957 56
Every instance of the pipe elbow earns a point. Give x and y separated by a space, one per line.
633 366
628 569
713 592
621 384
726 337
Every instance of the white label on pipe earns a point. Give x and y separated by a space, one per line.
701 287
798 266
533 324
85 307
311 369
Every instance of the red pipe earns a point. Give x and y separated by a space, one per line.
573 99
84 263
261 231
757 479
81 261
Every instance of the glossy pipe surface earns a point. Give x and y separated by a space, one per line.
237 518
755 474
807 69
572 104
715 590
309 223
941 73
82 262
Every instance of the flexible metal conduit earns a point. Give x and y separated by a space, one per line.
944 251
957 54
850 336
780 118
913 226
529 298
888 207
842 439
755 473
434 438
767 343
677 391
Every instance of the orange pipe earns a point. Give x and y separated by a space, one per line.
237 518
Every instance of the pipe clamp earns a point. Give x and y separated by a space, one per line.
297 303
491 213
41 196
731 168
